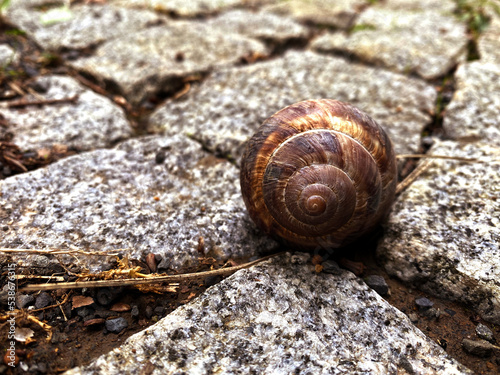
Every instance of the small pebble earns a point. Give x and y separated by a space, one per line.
431 313
423 303
24 300
43 300
159 310
134 312
413 317
149 312
479 348
85 311
378 284
484 332
116 325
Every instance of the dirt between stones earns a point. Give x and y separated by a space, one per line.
80 335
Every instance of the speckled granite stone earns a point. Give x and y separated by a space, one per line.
488 43
425 42
228 107
474 112
444 231
7 56
442 6
88 26
181 8
259 25
93 121
281 318
152 195
154 59
336 13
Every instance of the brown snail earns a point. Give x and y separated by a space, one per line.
319 173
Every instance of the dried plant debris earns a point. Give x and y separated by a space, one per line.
14 161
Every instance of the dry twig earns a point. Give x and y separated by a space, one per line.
144 279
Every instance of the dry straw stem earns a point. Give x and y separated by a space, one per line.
146 279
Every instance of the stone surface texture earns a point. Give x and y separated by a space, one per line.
93 121
157 58
260 25
474 110
181 8
488 43
88 25
7 56
297 322
444 231
230 105
336 13
428 43
199 77
128 198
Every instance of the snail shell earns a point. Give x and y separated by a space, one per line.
319 173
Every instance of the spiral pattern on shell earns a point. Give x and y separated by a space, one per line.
318 173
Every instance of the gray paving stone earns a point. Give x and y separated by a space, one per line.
336 13
156 58
226 109
259 25
281 318
8 56
92 122
446 6
182 8
444 231
488 43
88 25
474 110
152 195
428 43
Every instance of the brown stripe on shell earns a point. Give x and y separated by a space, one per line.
350 141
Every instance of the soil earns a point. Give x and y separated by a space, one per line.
75 343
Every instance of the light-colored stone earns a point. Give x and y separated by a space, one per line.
228 107
442 6
474 112
264 26
488 43
86 26
129 198
427 43
181 8
91 122
336 13
281 318
8 56
444 231
157 58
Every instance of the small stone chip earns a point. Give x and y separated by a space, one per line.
378 284
116 325
484 332
479 348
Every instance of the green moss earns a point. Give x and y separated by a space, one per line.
474 13
361 27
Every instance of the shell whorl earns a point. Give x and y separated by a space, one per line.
318 173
